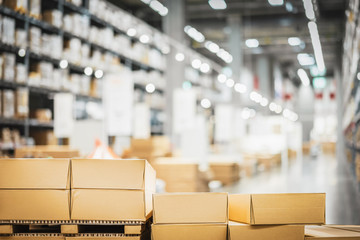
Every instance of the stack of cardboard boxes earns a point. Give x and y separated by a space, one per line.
150 149
274 216
74 193
45 151
201 216
225 172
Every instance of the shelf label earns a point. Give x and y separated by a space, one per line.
63 115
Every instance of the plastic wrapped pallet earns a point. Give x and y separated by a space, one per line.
8 103
17 5
22 103
53 17
35 39
35 8
20 38
21 73
8 31
9 67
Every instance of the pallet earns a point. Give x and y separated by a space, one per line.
73 227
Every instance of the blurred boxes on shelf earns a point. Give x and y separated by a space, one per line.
8 30
278 232
190 216
44 137
263 161
42 115
149 149
8 67
328 147
8 103
225 172
35 8
17 5
22 103
112 189
182 175
34 189
292 154
264 209
53 17
334 232
306 148
52 151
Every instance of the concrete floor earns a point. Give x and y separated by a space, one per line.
311 175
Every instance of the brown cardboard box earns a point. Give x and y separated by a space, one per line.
226 172
27 237
181 175
44 137
156 146
111 189
183 208
355 228
34 189
329 233
189 232
105 238
261 209
46 151
238 231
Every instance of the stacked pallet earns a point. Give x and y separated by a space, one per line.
75 199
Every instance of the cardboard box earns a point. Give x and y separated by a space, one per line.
156 146
27 237
225 172
189 232
262 209
111 189
46 151
355 228
183 208
238 231
34 189
105 238
329 233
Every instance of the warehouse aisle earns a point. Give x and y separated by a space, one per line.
321 174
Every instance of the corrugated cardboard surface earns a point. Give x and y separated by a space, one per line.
278 208
105 204
190 208
34 204
31 238
34 173
189 232
238 231
355 228
111 174
329 233
104 238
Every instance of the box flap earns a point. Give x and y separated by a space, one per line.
34 174
328 232
105 204
288 208
150 178
108 174
355 228
239 207
189 231
190 208
276 232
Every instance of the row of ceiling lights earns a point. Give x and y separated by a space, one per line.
157 7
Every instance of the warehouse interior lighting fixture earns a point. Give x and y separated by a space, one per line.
290 115
256 97
230 83
240 88
289 7
315 40
225 55
278 109
63 64
88 71
150 88
217 4
196 63
179 57
205 103
205 68
272 106
21 52
221 78
252 43
303 77
212 47
358 76
294 41
194 34
144 38
264 102
157 7
276 2
131 32
319 82
309 9
99 73
305 59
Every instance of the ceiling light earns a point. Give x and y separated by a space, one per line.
205 68
150 88
252 43
305 59
289 7
240 88
187 85
256 97
315 40
179 57
278 109
303 77
144 38
164 11
222 78
309 9
131 32
194 34
294 41
230 83
146 1
319 82
196 63
276 2
212 47
217 4
272 106
99 73
88 71
205 103
358 76
264 102
21 52
63 64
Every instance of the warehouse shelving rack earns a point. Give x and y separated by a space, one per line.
24 125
